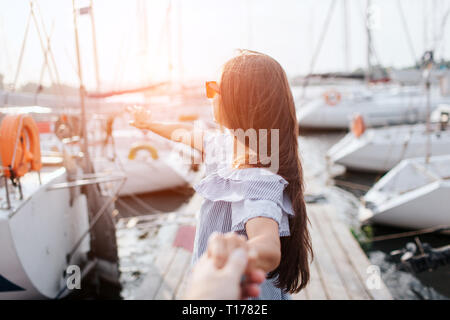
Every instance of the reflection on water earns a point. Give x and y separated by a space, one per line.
344 192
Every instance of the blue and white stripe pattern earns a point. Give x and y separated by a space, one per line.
234 196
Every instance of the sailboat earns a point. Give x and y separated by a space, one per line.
56 226
380 149
413 195
45 221
388 106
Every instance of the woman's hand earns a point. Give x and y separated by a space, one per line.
221 245
208 281
141 117
220 248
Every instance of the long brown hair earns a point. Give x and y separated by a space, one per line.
255 94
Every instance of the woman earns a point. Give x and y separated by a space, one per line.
245 191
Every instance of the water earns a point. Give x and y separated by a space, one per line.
402 284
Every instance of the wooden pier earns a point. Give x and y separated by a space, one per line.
340 268
339 271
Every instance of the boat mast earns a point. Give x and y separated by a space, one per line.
425 25
369 40
346 36
428 89
82 92
103 242
94 46
428 61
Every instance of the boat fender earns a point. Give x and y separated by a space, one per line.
142 146
358 126
19 145
332 97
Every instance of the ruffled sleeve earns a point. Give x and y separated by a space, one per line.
253 192
243 211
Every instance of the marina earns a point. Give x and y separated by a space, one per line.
109 122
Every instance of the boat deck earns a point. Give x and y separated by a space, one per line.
340 269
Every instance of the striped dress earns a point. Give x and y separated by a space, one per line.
234 196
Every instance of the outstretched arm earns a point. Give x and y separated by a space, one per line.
175 131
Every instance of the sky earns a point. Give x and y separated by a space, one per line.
197 36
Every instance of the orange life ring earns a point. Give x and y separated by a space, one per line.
19 145
142 146
358 126
332 97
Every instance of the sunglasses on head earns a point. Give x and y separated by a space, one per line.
212 88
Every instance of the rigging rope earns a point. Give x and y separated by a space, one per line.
319 46
408 36
52 57
22 49
45 64
41 41
48 52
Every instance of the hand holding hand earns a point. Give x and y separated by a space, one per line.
218 274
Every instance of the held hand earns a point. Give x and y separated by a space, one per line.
209 282
141 117
221 247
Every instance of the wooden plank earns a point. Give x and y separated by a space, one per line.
357 257
154 277
174 275
299 296
315 288
307 294
181 291
354 287
333 284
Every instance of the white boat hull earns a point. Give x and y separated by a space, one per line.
378 110
426 207
379 150
413 195
415 76
36 235
145 174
